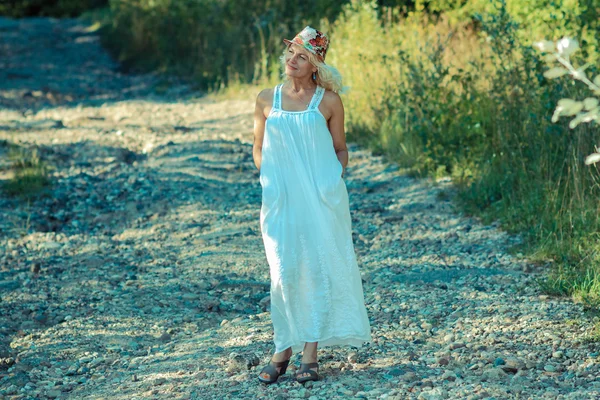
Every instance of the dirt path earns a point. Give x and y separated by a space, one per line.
143 274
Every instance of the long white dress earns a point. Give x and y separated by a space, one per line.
316 289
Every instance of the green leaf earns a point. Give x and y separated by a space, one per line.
555 72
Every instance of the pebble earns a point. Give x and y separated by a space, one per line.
558 354
549 368
494 374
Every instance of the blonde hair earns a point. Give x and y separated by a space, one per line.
327 75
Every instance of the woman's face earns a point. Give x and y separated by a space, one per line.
297 63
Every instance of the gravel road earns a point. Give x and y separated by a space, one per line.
142 273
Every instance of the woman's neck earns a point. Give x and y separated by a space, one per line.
297 85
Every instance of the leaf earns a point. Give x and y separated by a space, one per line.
556 114
545 45
566 46
590 102
570 107
566 103
597 80
576 121
592 158
555 72
584 117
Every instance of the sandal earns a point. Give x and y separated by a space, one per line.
271 369
305 368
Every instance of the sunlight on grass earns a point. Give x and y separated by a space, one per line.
28 174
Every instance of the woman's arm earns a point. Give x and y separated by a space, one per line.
336 127
259 127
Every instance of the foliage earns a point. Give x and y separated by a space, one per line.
586 110
52 8
536 18
214 42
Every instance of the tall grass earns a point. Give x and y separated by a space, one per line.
28 174
216 43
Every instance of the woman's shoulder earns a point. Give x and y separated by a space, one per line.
265 95
331 97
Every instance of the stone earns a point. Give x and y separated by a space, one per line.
53 393
396 372
493 374
456 345
499 361
449 376
443 361
549 368
353 357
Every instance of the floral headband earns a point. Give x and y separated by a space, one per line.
312 40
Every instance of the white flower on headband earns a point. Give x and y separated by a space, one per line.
311 32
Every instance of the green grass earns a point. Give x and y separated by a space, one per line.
28 174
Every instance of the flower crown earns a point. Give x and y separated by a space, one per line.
312 40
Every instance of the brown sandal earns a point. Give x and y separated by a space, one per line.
314 376
271 369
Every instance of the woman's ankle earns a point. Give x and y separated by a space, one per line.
282 355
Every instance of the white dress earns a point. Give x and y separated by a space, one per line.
316 289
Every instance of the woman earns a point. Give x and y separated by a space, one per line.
300 151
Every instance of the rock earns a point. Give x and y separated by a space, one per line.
252 361
53 393
549 368
265 303
449 376
409 377
237 363
493 374
448 338
6 362
425 383
72 370
353 357
396 372
456 345
499 361
512 365
165 337
443 361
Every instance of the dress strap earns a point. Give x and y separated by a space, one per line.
277 97
316 100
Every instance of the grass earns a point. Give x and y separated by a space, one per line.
27 175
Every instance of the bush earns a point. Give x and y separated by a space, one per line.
213 42
52 8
